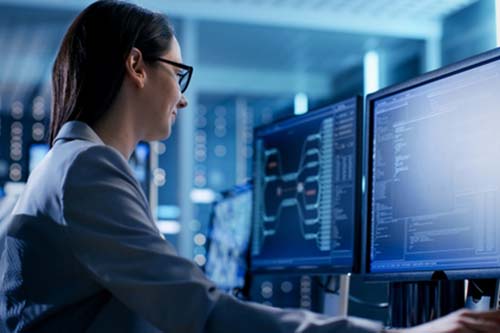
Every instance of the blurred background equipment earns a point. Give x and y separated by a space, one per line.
228 238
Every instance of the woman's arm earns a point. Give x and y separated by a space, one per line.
462 321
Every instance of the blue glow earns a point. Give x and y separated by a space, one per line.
301 104
371 72
169 227
168 212
36 153
202 196
497 20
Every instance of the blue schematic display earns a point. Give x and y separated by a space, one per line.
435 175
305 190
228 240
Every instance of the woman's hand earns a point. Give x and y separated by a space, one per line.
461 321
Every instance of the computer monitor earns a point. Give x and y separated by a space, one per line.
306 210
433 175
228 239
140 161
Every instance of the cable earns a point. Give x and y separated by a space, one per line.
481 291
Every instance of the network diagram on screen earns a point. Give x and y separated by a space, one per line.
304 190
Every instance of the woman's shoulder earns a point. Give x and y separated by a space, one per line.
78 152
87 161
89 152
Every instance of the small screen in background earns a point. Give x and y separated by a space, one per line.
228 241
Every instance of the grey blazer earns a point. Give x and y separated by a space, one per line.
82 254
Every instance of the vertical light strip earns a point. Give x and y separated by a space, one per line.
433 51
497 20
371 75
186 129
371 72
301 104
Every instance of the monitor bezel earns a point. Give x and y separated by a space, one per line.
355 266
426 78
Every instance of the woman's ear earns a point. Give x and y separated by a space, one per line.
135 68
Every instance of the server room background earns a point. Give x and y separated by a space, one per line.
255 62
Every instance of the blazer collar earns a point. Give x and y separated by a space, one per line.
77 130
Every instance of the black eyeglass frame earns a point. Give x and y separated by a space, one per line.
189 72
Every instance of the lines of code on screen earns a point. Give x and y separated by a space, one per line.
436 175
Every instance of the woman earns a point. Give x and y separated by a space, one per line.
82 252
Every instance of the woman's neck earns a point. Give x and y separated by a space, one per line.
117 131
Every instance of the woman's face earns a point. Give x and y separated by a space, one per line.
163 97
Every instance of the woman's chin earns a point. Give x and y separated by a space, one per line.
160 135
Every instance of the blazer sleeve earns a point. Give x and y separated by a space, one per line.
111 233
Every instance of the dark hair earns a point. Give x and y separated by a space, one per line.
90 66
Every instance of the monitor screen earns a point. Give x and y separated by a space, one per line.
306 174
434 173
228 240
139 161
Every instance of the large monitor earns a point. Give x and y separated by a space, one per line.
307 185
433 174
229 235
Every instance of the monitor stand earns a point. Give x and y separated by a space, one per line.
336 300
414 303
482 295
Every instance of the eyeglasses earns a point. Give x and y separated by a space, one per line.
184 75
